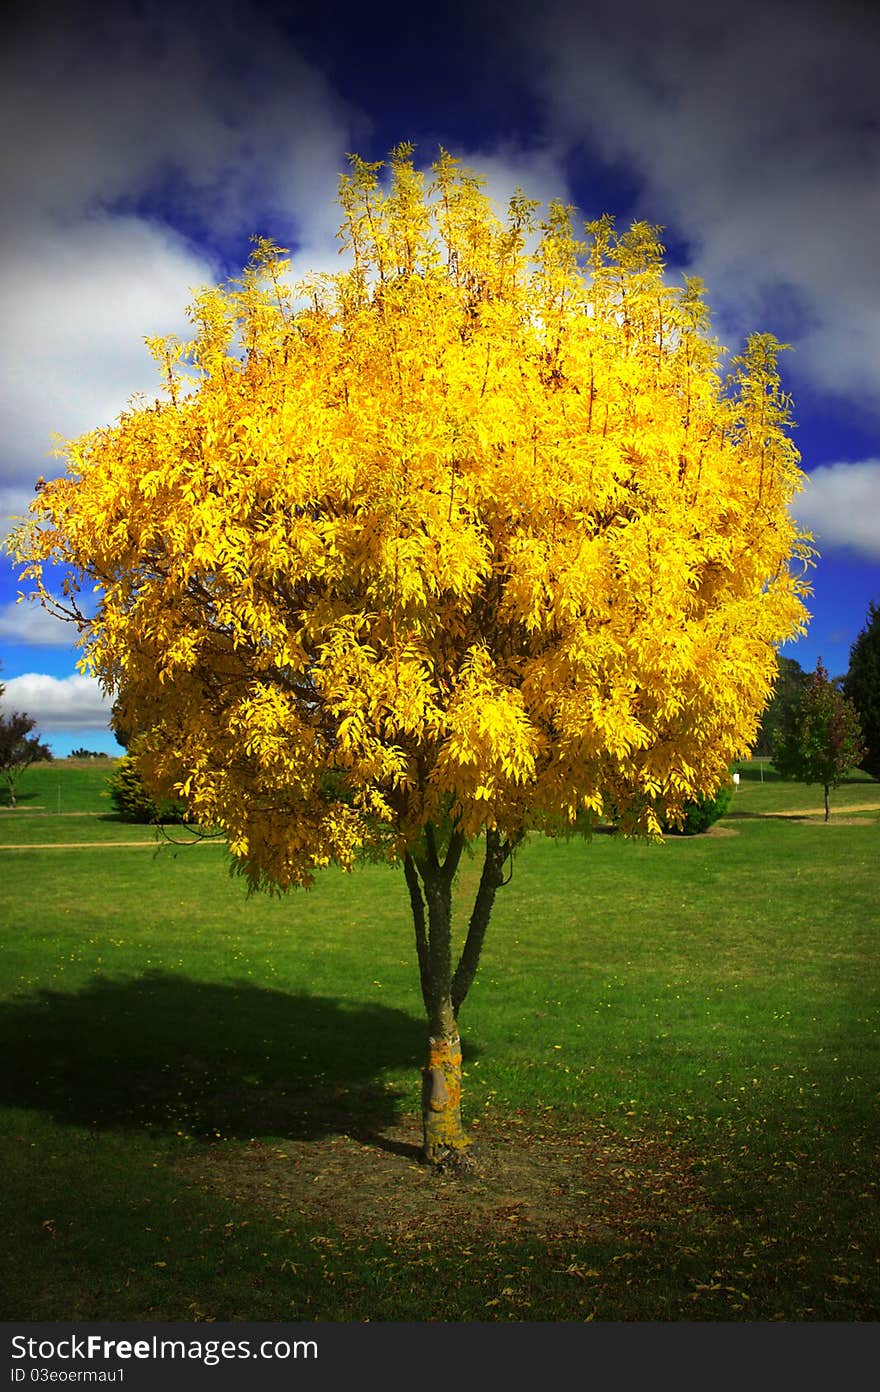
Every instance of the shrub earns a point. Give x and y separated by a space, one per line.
131 799
700 814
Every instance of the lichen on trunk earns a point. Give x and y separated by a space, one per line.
444 1136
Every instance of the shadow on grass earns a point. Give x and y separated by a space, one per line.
754 774
21 799
167 1054
170 824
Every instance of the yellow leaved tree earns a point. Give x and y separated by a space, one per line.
468 540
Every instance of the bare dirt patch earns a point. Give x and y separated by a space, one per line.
529 1180
818 818
817 814
715 831
73 845
91 845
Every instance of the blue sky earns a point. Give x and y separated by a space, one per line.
146 143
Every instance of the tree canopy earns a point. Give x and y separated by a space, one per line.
819 740
19 747
473 532
787 691
861 685
470 538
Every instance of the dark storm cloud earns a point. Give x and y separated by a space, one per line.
206 114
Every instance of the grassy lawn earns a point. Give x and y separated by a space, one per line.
63 786
762 792
672 1057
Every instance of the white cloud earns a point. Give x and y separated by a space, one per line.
13 507
840 505
537 171
120 128
69 703
32 624
79 304
226 129
752 130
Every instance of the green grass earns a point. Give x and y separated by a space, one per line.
705 1011
62 786
762 791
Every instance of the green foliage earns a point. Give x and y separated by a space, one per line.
701 813
787 691
131 799
861 685
121 734
19 748
820 739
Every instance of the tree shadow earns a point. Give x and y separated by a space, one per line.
167 1054
22 796
755 775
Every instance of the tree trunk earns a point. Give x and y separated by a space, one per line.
444 1138
429 881
827 804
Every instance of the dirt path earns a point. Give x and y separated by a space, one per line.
97 845
837 813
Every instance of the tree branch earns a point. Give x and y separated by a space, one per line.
432 859
418 912
457 843
497 854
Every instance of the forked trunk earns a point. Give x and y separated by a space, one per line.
429 881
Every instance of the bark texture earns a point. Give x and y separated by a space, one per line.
444 1135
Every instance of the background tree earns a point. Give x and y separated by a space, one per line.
820 739
468 540
787 691
122 736
861 686
132 801
19 748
